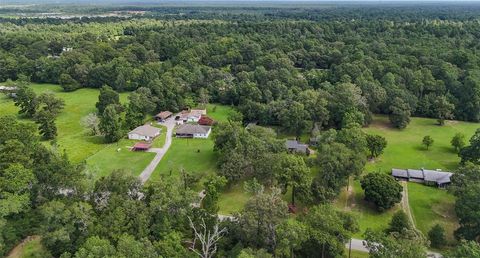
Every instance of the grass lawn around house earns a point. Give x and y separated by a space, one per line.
432 206
404 150
195 156
160 140
219 112
118 156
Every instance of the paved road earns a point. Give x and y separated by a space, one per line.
357 244
160 152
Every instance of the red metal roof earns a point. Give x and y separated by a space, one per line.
205 120
141 146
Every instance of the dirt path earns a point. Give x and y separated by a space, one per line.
17 250
406 205
160 152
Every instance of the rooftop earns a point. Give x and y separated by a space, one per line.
146 130
192 129
294 144
439 177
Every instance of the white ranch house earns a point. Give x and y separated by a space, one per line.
144 132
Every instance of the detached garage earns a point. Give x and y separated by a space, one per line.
144 132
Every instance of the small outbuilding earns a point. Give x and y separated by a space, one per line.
162 116
191 116
193 131
144 132
205 120
141 146
295 146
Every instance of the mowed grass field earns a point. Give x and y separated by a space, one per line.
432 206
79 145
429 205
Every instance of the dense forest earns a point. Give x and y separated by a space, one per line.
307 69
428 67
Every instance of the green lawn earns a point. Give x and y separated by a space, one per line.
160 140
404 149
72 136
101 158
233 200
218 112
365 213
430 206
193 155
117 156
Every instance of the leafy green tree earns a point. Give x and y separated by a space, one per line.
27 101
294 118
458 142
399 222
213 187
294 172
110 124
471 153
68 83
171 246
467 207
466 249
96 247
15 182
292 234
443 109
128 246
107 97
382 190
427 141
259 218
65 226
48 109
251 253
141 102
336 165
376 144
328 230
408 244
436 235
399 113
47 126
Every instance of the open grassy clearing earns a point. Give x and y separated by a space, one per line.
72 136
431 206
219 112
195 156
101 158
365 213
404 150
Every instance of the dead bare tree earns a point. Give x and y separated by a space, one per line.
208 239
